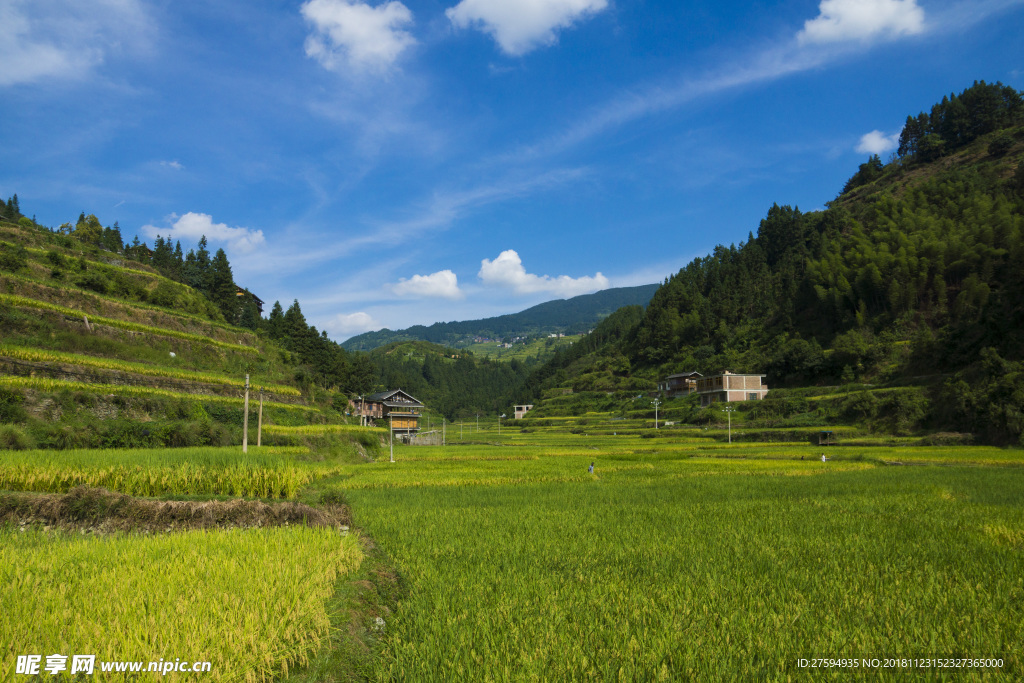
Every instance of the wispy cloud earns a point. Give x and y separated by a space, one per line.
172 164
801 52
348 324
353 34
520 26
64 39
507 271
437 213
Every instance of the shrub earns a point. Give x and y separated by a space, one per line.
12 258
11 409
14 438
164 295
1000 145
94 281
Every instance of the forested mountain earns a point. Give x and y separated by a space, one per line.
450 381
915 269
913 274
569 316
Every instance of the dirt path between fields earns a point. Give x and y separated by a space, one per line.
96 510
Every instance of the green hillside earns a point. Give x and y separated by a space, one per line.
564 316
913 276
102 350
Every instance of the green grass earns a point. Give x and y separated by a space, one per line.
56 385
37 355
674 563
25 302
679 558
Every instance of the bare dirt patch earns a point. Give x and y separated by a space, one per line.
97 510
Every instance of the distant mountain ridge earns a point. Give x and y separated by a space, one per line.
568 316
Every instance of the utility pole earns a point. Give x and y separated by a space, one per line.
245 420
444 423
478 422
259 427
728 411
656 403
391 430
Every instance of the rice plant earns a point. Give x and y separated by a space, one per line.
684 564
252 603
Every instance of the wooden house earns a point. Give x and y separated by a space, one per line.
399 408
679 384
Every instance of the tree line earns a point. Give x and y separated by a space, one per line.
909 275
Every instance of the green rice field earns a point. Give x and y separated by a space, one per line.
689 563
677 558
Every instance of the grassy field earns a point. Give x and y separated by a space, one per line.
679 562
678 558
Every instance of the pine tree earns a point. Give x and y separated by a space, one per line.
223 291
204 281
275 321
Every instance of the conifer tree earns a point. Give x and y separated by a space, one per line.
223 291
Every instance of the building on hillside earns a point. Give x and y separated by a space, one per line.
679 384
522 411
730 387
258 301
398 407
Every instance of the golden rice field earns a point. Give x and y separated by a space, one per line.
252 603
266 472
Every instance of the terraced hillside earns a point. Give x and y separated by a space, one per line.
97 350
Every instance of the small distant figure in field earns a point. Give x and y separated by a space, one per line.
591 468
823 458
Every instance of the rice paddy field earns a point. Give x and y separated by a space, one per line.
678 558
251 603
687 562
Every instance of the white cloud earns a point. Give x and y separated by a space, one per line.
348 324
507 271
845 20
442 284
192 226
42 39
354 33
877 142
519 26
172 164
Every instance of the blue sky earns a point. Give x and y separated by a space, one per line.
398 163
